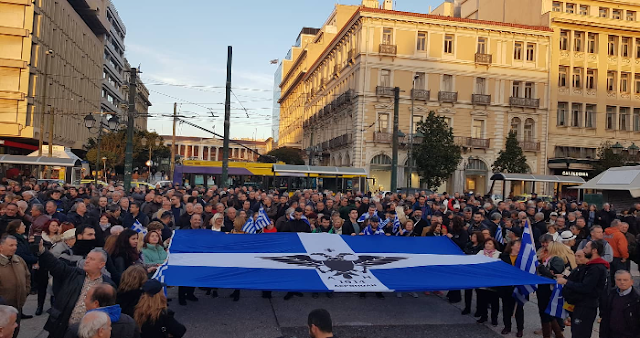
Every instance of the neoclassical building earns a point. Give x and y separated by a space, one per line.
210 149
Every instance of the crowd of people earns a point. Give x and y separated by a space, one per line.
93 250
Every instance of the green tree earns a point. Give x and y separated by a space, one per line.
437 157
607 159
287 155
511 159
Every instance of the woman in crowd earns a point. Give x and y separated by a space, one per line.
407 230
152 315
475 244
125 252
552 230
17 229
103 230
129 290
509 303
153 252
553 263
592 215
271 228
51 235
113 214
217 222
489 296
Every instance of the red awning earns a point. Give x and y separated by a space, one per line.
12 144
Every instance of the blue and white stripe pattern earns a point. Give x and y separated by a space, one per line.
303 218
369 231
384 222
363 217
527 261
251 226
304 262
556 304
396 225
499 237
137 227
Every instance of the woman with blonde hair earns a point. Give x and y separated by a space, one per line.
129 290
217 222
552 264
153 316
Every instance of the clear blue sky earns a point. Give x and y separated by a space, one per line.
185 43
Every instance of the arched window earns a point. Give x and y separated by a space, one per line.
515 126
476 165
381 159
529 130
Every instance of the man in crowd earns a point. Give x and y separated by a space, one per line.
15 279
598 235
95 325
9 317
620 309
320 325
619 245
135 216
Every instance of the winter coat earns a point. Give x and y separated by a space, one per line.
122 325
129 220
618 242
79 221
165 323
15 281
592 284
153 254
24 251
296 226
631 314
71 280
128 300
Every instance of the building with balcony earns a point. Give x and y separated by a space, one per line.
210 149
337 92
62 41
114 64
594 73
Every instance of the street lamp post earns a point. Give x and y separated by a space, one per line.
90 123
104 168
149 163
617 148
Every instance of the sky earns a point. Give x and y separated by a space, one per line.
181 48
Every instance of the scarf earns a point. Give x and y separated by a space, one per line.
488 253
369 231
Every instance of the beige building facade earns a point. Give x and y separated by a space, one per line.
210 149
337 90
594 73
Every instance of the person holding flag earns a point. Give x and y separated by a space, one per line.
509 304
553 264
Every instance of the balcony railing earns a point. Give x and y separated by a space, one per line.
382 137
481 99
530 145
472 142
421 94
340 141
524 102
448 96
336 70
484 59
384 91
388 49
351 55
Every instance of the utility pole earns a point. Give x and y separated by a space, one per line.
128 153
227 124
394 141
172 162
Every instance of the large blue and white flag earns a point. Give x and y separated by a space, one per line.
527 261
137 227
556 304
327 262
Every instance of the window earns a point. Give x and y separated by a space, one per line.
529 130
613 45
383 122
562 77
584 10
578 41
448 44
531 51
591 79
576 111
385 78
636 119
387 36
637 83
562 114
528 90
592 46
564 40
480 85
515 89
638 48
447 83
448 121
611 81
420 80
616 14
478 129
604 12
517 51
590 116
624 83
626 47
570 8
631 16
625 118
611 118
577 77
422 41
557 6
482 46
515 126
416 119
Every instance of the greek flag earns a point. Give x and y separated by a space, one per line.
396 225
363 218
251 227
499 237
137 227
527 261
556 304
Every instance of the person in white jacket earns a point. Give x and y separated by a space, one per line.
489 296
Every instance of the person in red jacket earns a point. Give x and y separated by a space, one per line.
618 242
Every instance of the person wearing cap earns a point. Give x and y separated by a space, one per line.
569 240
371 226
102 298
153 316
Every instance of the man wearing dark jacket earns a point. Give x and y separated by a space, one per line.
588 290
102 298
605 216
620 309
297 224
69 306
134 215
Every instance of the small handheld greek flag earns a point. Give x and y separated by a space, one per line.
396 225
137 227
363 217
527 261
248 226
556 304
499 237
260 223
384 223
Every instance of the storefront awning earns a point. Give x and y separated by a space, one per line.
306 169
620 178
39 160
537 178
